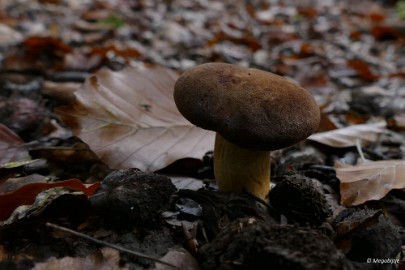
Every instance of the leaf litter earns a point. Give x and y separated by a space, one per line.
350 57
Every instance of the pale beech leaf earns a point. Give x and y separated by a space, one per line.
369 181
348 136
129 119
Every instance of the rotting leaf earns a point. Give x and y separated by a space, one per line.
369 181
348 136
129 119
27 194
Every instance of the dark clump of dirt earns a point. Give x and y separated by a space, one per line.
129 197
220 209
300 199
271 246
365 234
364 104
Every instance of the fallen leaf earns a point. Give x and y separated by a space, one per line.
11 170
104 259
26 194
12 184
187 182
369 181
376 16
362 68
397 122
348 136
50 45
129 119
11 146
180 258
61 92
76 154
326 123
352 223
309 12
385 32
125 53
37 53
8 36
25 116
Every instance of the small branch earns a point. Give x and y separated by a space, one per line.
103 243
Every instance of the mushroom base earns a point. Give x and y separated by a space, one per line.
237 169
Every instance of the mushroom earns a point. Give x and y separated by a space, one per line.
253 112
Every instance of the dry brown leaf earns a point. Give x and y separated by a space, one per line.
129 119
369 181
60 91
348 136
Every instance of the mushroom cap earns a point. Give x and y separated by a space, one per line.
251 108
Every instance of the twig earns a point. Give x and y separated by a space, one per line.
358 146
103 243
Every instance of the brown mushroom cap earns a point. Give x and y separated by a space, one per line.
248 107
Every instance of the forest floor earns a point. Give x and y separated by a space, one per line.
84 145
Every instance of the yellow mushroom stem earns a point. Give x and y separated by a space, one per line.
237 169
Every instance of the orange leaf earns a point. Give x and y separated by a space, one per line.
326 124
50 45
26 194
362 68
369 181
385 32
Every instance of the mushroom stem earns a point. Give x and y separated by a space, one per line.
237 169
